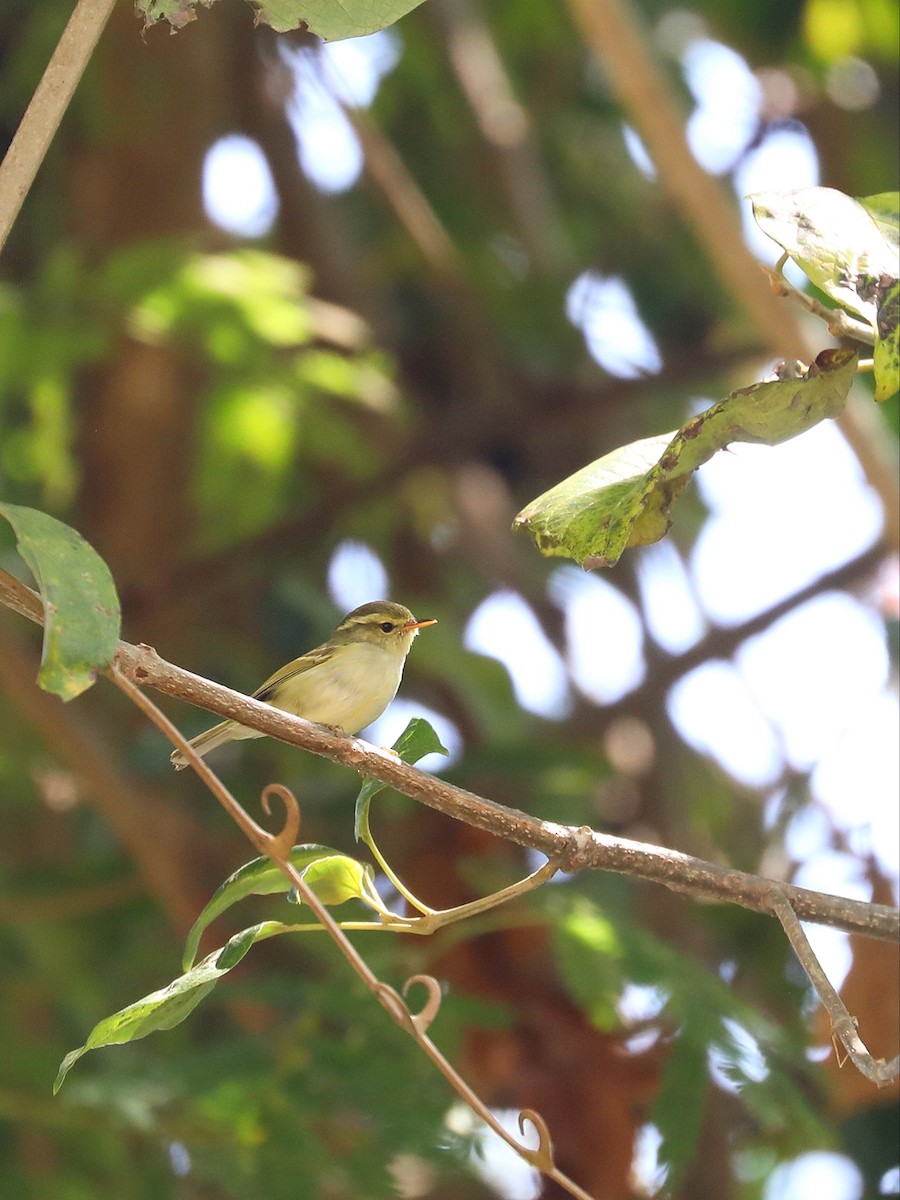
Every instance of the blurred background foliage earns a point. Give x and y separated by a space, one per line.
269 387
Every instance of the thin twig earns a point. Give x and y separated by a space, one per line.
843 1026
575 849
837 320
49 102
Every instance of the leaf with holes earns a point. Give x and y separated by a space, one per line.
330 19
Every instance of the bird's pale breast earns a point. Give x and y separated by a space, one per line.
350 691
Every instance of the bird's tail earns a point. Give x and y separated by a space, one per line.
227 731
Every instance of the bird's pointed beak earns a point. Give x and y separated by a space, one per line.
411 625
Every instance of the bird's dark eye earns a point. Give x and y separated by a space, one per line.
387 627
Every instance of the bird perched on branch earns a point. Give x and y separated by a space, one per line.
347 682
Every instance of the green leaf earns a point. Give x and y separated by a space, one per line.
603 505
330 19
843 246
887 345
677 1111
589 955
168 1007
416 740
333 19
260 877
81 608
625 498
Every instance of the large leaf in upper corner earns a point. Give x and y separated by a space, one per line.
847 247
81 608
330 19
625 498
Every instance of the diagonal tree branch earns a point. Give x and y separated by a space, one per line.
722 641
49 102
575 849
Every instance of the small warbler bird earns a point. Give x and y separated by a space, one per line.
346 682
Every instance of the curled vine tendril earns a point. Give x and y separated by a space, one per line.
276 846
542 1154
423 1019
281 843
416 1024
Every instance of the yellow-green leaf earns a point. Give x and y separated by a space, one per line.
337 878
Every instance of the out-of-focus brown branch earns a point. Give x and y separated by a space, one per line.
189 587
505 127
74 902
612 32
390 173
473 344
574 849
308 229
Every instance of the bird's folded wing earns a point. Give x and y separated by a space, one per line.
297 667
